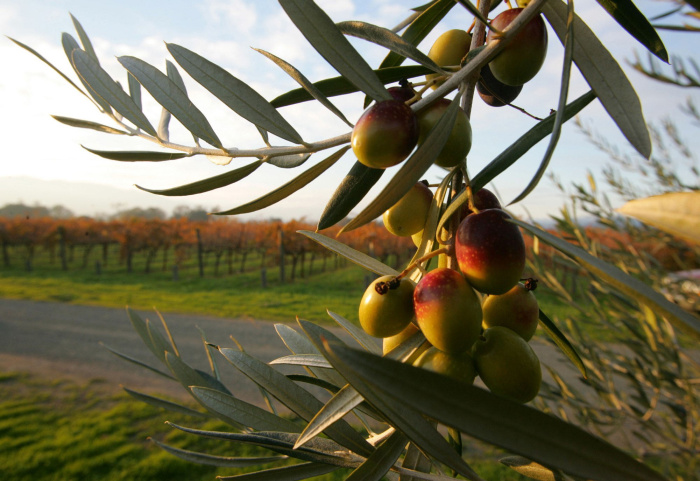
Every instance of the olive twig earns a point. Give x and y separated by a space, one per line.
420 260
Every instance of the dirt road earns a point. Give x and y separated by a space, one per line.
62 341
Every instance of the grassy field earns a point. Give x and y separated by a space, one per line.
59 430
240 295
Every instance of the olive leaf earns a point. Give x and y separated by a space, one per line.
288 161
165 404
137 362
295 398
348 194
559 115
620 281
475 411
137 155
235 94
167 93
359 258
41 57
237 412
209 184
221 461
69 46
306 84
334 86
330 43
605 76
677 213
397 412
626 13
86 124
289 188
382 460
387 38
91 72
84 39
562 342
533 470
134 90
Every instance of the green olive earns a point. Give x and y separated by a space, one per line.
385 314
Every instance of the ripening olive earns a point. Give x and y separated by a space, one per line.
460 140
507 364
524 55
517 310
385 134
490 251
408 215
458 366
448 50
384 314
448 311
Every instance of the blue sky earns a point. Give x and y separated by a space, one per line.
36 146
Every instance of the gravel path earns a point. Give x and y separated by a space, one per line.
62 341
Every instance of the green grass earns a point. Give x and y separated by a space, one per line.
239 295
59 430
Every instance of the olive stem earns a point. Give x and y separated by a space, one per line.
420 260
478 38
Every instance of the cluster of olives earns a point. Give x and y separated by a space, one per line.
478 318
468 336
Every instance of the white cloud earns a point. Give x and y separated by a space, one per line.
232 15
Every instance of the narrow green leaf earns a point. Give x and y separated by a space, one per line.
398 413
137 362
318 450
677 213
387 38
142 329
350 192
419 29
174 74
363 260
382 460
234 93
559 115
206 185
336 408
289 188
221 461
136 155
622 282
310 360
631 19
41 57
237 412
295 398
372 344
86 124
172 98
515 427
328 41
288 161
295 472
162 403
411 171
514 152
84 39
334 86
604 75
299 344
191 377
306 84
134 90
110 91
69 46
562 342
